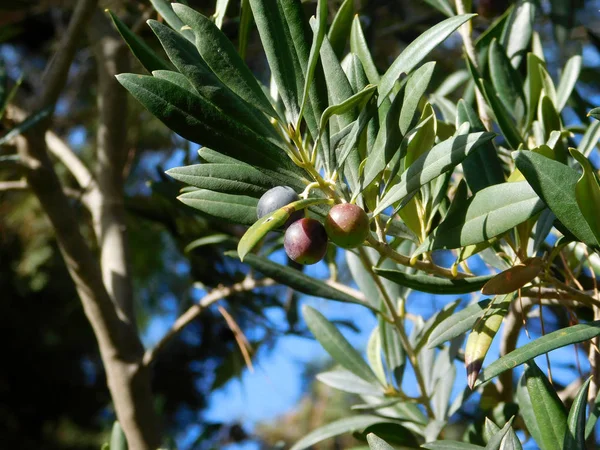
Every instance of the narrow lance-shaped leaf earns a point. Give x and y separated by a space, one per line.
568 78
415 89
319 35
518 30
595 113
142 51
376 443
340 27
271 222
297 280
220 11
481 337
336 345
432 164
434 285
417 50
505 122
506 80
220 55
495 441
551 341
575 434
489 213
457 323
359 46
547 407
347 105
587 193
341 426
514 278
555 183
483 167
165 9
238 209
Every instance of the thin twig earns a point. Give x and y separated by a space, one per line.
240 338
194 311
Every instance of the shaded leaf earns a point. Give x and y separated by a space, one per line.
297 280
341 27
575 433
336 345
417 50
233 208
457 323
544 344
587 193
432 164
142 51
359 46
432 284
555 183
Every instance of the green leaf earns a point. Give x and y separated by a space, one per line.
595 113
28 123
587 193
386 143
593 418
434 285
555 183
417 50
220 11
220 55
343 380
442 6
188 61
415 88
533 86
575 434
341 426
336 345
526 410
432 323
483 167
551 341
489 213
198 120
505 122
297 280
240 179
244 28
349 104
432 164
233 208
117 437
421 138
359 46
547 84
590 139
274 36
213 239
450 445
374 355
165 9
142 51
495 441
340 27
174 77
271 222
315 48
395 355
457 323
376 443
518 30
568 79
506 80
548 409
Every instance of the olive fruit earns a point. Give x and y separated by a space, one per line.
347 225
277 198
305 241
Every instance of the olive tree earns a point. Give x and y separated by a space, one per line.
399 178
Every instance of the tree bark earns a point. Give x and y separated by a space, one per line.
120 346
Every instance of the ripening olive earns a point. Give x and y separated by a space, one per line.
305 241
347 225
277 198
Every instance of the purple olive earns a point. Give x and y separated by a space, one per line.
305 241
347 225
277 198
